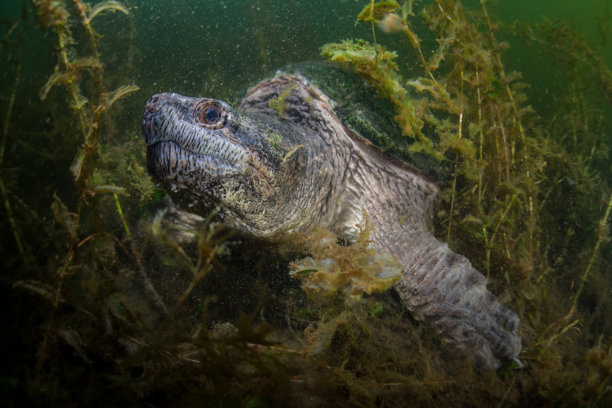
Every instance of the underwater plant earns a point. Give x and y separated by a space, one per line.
114 302
350 271
504 167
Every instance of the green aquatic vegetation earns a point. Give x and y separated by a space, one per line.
210 245
121 170
598 361
351 271
119 302
509 174
602 235
83 78
112 6
578 125
379 68
278 103
68 72
473 111
275 140
571 49
4 189
375 12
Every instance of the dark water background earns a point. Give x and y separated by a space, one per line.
218 48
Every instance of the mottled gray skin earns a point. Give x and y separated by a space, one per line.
274 171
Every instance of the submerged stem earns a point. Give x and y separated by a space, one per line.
120 211
502 72
602 234
454 185
450 214
3 189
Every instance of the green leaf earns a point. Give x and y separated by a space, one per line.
376 12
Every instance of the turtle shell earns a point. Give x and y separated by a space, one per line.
362 111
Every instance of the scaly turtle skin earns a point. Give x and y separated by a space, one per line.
283 161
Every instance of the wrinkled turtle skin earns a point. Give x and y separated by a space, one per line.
283 161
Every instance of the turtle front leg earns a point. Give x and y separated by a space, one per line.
441 287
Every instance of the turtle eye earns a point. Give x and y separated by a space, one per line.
211 115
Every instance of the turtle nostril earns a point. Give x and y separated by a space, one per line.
153 104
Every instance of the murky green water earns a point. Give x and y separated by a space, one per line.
109 306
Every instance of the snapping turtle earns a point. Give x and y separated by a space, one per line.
289 158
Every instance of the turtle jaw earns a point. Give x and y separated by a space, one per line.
171 164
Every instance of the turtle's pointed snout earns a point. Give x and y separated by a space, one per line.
153 117
154 104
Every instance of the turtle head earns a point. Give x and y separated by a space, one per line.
207 154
